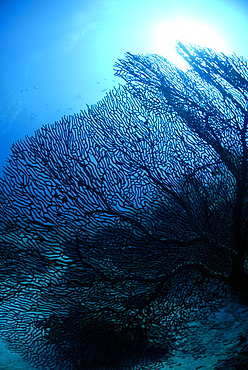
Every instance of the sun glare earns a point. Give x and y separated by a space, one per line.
168 33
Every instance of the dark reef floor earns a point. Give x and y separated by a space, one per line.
221 343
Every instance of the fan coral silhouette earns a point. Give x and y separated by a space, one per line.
120 222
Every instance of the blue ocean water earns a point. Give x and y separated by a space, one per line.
58 56
53 63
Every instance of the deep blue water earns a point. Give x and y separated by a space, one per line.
58 55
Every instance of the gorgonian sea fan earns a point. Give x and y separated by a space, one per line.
120 222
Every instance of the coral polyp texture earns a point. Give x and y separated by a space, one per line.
120 222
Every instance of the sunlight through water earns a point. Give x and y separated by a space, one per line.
168 33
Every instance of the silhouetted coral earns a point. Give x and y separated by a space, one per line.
120 222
